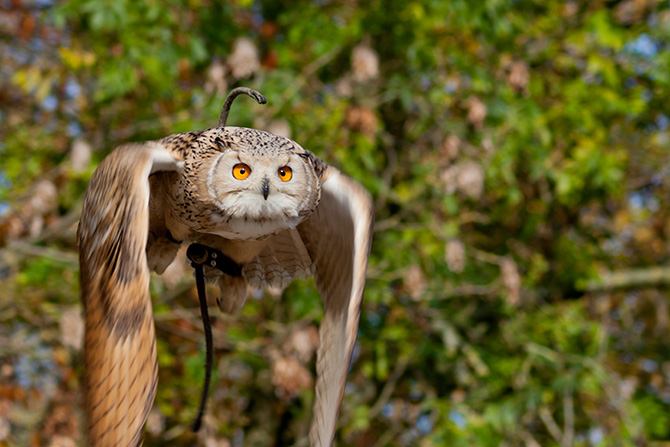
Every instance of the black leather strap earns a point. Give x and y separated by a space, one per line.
204 255
201 255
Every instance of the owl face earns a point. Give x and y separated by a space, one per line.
260 193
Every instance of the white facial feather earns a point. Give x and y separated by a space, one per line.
245 211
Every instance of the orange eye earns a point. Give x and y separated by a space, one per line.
285 173
241 171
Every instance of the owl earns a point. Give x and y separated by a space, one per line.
274 210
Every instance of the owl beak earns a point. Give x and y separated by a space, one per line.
266 188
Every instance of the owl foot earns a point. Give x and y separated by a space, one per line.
160 253
233 293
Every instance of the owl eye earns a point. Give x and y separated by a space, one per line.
241 171
285 173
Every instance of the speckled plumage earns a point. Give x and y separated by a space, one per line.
146 200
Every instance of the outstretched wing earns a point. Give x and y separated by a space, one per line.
333 244
338 237
120 366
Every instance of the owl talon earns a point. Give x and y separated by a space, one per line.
233 293
160 254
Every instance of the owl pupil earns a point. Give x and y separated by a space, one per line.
282 173
242 171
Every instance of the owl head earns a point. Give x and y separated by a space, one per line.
251 183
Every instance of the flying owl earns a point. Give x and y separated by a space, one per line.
274 209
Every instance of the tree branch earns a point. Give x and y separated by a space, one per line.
633 278
551 424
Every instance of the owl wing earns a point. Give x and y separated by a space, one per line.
333 243
120 366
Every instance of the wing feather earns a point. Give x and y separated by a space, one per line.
282 260
337 236
120 366
332 244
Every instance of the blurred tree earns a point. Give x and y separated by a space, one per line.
517 152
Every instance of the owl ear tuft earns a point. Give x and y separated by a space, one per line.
223 117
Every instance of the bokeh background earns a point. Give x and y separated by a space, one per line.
517 152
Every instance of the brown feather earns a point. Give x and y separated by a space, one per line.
337 236
120 366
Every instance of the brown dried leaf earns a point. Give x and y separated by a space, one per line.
269 29
511 279
415 282
155 422
363 120
458 396
364 63
470 179
216 78
488 145
290 377
35 226
303 343
12 228
518 76
271 60
244 61
450 148
455 255
343 87
448 177
44 197
628 386
476 112
80 155
9 21
630 11
570 9
5 428
61 423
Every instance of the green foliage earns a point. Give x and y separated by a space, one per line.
515 151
